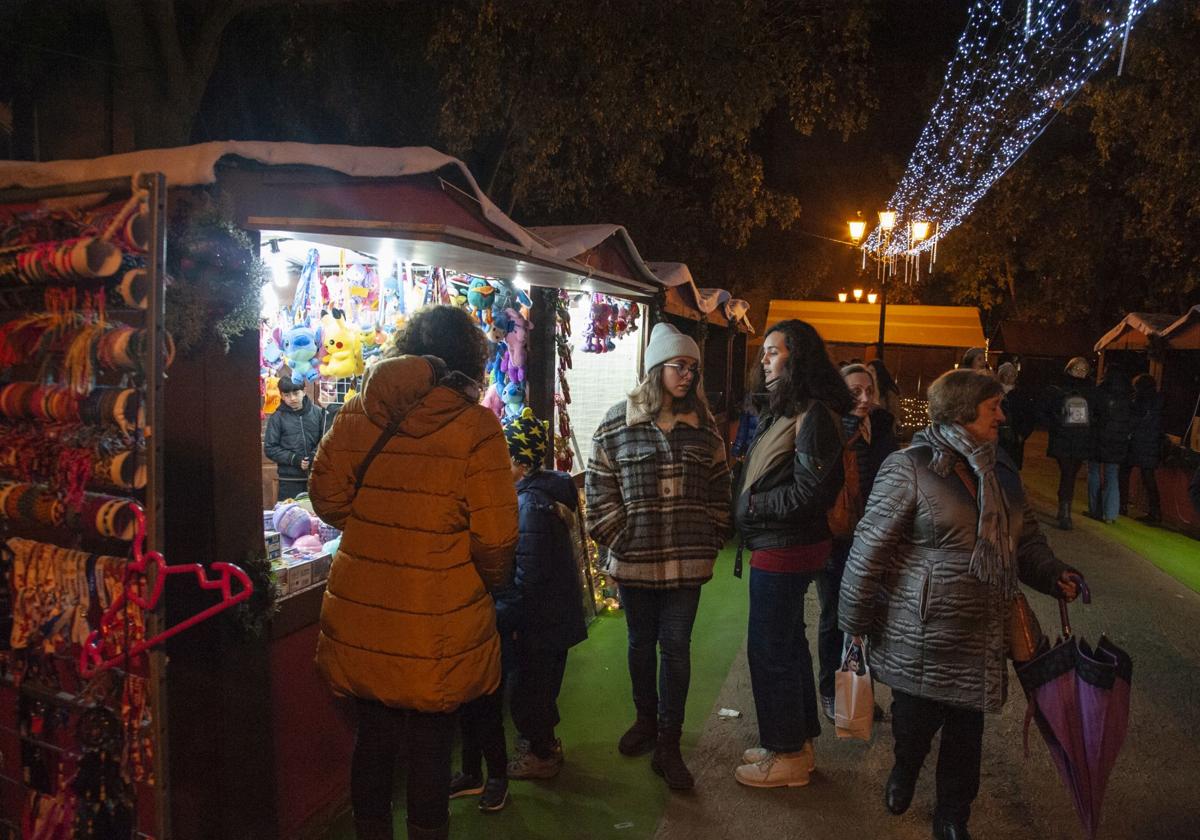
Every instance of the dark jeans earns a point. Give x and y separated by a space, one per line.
781 667
536 681
660 620
290 488
915 720
1068 471
831 641
425 740
483 736
1149 481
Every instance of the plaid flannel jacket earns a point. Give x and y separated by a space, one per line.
659 500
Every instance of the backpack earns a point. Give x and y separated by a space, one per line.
847 508
1075 413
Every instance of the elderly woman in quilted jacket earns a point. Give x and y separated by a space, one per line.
408 627
658 499
935 564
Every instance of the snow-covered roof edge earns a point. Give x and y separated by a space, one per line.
569 241
187 166
1192 314
1147 323
707 300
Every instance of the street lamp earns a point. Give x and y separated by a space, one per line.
858 293
871 296
842 297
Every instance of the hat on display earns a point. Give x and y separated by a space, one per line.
1078 367
286 383
666 343
527 439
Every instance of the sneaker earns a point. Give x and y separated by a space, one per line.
529 765
827 707
775 771
495 795
757 754
464 785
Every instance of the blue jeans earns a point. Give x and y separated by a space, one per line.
1104 497
781 666
660 620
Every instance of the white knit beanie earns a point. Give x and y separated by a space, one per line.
667 343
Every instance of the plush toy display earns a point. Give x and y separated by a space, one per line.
343 347
480 294
271 396
599 326
291 521
514 399
518 342
300 345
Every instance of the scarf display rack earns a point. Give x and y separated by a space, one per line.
83 353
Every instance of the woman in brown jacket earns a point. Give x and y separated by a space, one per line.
408 627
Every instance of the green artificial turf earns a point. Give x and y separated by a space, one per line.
601 793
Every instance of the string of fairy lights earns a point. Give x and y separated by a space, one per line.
1017 64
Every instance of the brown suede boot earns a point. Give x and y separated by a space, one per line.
668 762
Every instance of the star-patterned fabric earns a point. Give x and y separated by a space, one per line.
527 438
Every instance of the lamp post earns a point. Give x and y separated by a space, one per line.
887 223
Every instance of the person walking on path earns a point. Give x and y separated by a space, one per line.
416 475
541 614
293 432
658 499
1020 413
935 563
1145 446
869 439
792 475
1067 410
1112 412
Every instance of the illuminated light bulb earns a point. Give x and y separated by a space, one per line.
920 231
858 293
887 219
842 297
871 297
857 229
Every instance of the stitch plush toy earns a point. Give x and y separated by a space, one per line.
514 399
300 345
343 347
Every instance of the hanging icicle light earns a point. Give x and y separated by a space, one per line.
1016 66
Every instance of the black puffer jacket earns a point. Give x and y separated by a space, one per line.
936 630
544 602
292 435
787 505
1069 442
1112 420
1145 442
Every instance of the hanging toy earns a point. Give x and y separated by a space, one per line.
600 322
492 399
343 347
307 284
480 294
514 399
518 342
300 345
272 352
271 396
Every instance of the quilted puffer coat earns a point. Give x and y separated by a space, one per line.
407 617
936 631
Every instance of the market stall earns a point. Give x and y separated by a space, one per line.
251 726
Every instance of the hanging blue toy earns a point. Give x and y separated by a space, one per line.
308 280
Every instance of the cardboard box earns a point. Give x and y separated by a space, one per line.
281 574
268 520
274 545
300 573
320 567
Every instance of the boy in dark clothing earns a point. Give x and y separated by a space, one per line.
292 435
1068 416
541 614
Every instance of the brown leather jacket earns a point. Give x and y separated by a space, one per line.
407 617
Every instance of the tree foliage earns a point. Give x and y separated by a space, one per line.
1102 216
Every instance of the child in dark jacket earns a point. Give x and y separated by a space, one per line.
541 615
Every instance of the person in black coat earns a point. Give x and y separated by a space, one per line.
1020 414
543 609
1145 446
1067 411
870 434
1112 422
292 435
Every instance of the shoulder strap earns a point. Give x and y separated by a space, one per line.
380 442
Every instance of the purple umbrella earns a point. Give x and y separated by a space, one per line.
1079 698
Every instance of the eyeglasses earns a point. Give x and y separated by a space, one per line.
684 370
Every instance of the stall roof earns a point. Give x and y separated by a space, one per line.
858 323
1184 334
460 228
1134 331
1029 339
715 304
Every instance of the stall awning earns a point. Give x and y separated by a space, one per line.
1134 331
1028 339
858 323
687 299
1184 334
424 205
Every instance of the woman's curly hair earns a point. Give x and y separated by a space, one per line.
808 374
446 332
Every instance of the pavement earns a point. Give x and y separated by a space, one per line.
1152 792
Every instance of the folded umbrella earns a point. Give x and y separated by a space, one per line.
1079 698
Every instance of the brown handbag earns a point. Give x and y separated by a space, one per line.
1025 634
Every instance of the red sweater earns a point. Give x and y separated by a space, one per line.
793 558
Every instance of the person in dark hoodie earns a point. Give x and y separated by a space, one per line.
541 614
292 435
1145 446
1112 410
1067 410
